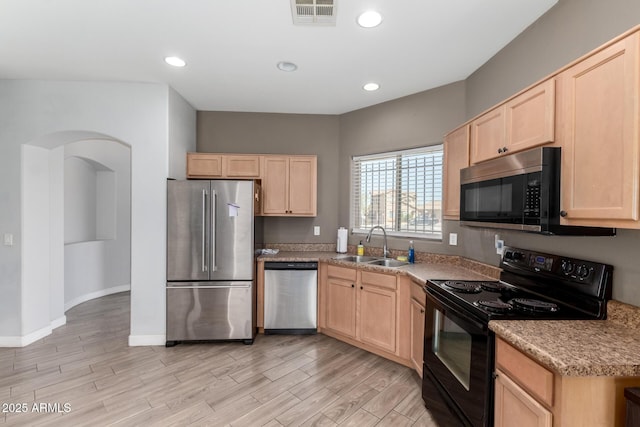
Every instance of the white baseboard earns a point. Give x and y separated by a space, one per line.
10 341
25 340
145 340
94 295
33 336
60 321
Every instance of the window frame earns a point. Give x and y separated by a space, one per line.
427 149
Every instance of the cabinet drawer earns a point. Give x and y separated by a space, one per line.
536 379
380 280
341 273
418 293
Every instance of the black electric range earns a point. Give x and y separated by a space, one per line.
458 351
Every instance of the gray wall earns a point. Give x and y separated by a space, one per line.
268 133
569 30
412 121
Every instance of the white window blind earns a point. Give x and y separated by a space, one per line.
401 191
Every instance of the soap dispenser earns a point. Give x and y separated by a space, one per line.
411 256
360 248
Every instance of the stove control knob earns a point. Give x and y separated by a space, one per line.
567 267
514 255
583 271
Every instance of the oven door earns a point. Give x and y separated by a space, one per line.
458 354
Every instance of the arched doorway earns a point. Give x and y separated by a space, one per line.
76 201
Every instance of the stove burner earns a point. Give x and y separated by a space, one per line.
534 305
463 287
493 286
495 306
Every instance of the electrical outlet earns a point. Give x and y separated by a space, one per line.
316 230
453 239
8 239
499 244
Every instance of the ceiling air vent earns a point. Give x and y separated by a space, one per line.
318 12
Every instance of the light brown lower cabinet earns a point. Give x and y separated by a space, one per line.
515 407
341 301
367 309
418 304
528 394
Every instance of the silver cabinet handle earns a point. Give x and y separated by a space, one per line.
204 229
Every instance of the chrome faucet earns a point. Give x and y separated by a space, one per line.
385 252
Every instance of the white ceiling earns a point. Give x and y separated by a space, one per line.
232 47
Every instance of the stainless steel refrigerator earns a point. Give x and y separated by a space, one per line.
210 261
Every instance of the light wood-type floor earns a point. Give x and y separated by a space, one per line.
88 375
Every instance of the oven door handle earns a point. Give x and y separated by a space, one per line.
453 312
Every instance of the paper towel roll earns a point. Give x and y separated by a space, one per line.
341 246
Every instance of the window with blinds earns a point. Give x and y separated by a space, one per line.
401 191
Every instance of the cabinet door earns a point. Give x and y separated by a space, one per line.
275 185
514 407
377 319
598 118
456 157
488 135
341 306
204 165
302 185
417 335
530 117
238 166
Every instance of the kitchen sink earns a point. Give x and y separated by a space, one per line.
357 258
371 260
388 262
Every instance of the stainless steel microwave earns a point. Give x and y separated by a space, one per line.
520 191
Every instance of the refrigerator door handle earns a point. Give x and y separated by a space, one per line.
204 230
210 287
212 245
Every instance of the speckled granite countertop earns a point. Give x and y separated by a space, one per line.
580 347
430 266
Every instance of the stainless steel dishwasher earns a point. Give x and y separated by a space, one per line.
290 297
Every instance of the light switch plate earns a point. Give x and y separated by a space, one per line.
453 239
8 239
316 230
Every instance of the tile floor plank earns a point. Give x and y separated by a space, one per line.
280 380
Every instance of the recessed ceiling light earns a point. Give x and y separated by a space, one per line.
370 87
175 61
369 19
287 66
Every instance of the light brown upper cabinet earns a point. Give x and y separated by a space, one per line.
456 157
487 135
204 165
599 117
289 186
214 165
523 122
241 166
